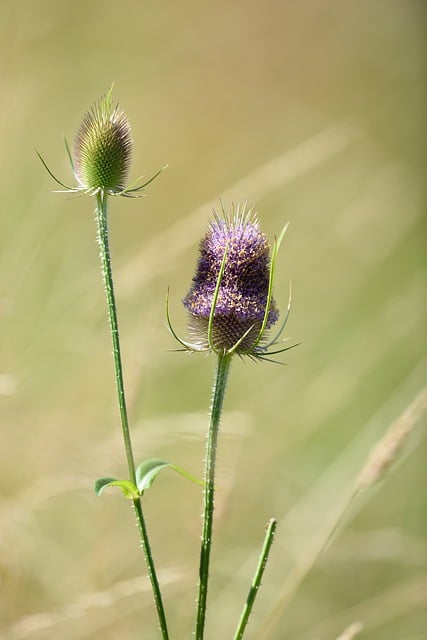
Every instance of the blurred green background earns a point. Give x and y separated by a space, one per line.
315 112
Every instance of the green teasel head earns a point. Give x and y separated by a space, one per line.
102 153
230 303
103 148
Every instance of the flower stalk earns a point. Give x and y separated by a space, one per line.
102 222
256 582
222 371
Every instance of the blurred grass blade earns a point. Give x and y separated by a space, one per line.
385 453
351 632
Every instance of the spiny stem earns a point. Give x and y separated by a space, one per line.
114 326
143 534
223 367
256 582
102 222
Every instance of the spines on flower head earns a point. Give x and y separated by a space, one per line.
230 302
103 148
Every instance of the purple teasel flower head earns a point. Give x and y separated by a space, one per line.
230 302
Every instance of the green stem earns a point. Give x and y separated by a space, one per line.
114 327
102 221
223 367
143 534
256 582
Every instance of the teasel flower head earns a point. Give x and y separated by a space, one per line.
102 152
230 303
103 148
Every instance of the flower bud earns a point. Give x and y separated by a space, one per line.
103 148
241 304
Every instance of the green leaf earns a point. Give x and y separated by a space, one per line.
148 470
126 486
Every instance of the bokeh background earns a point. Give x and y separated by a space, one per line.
315 112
